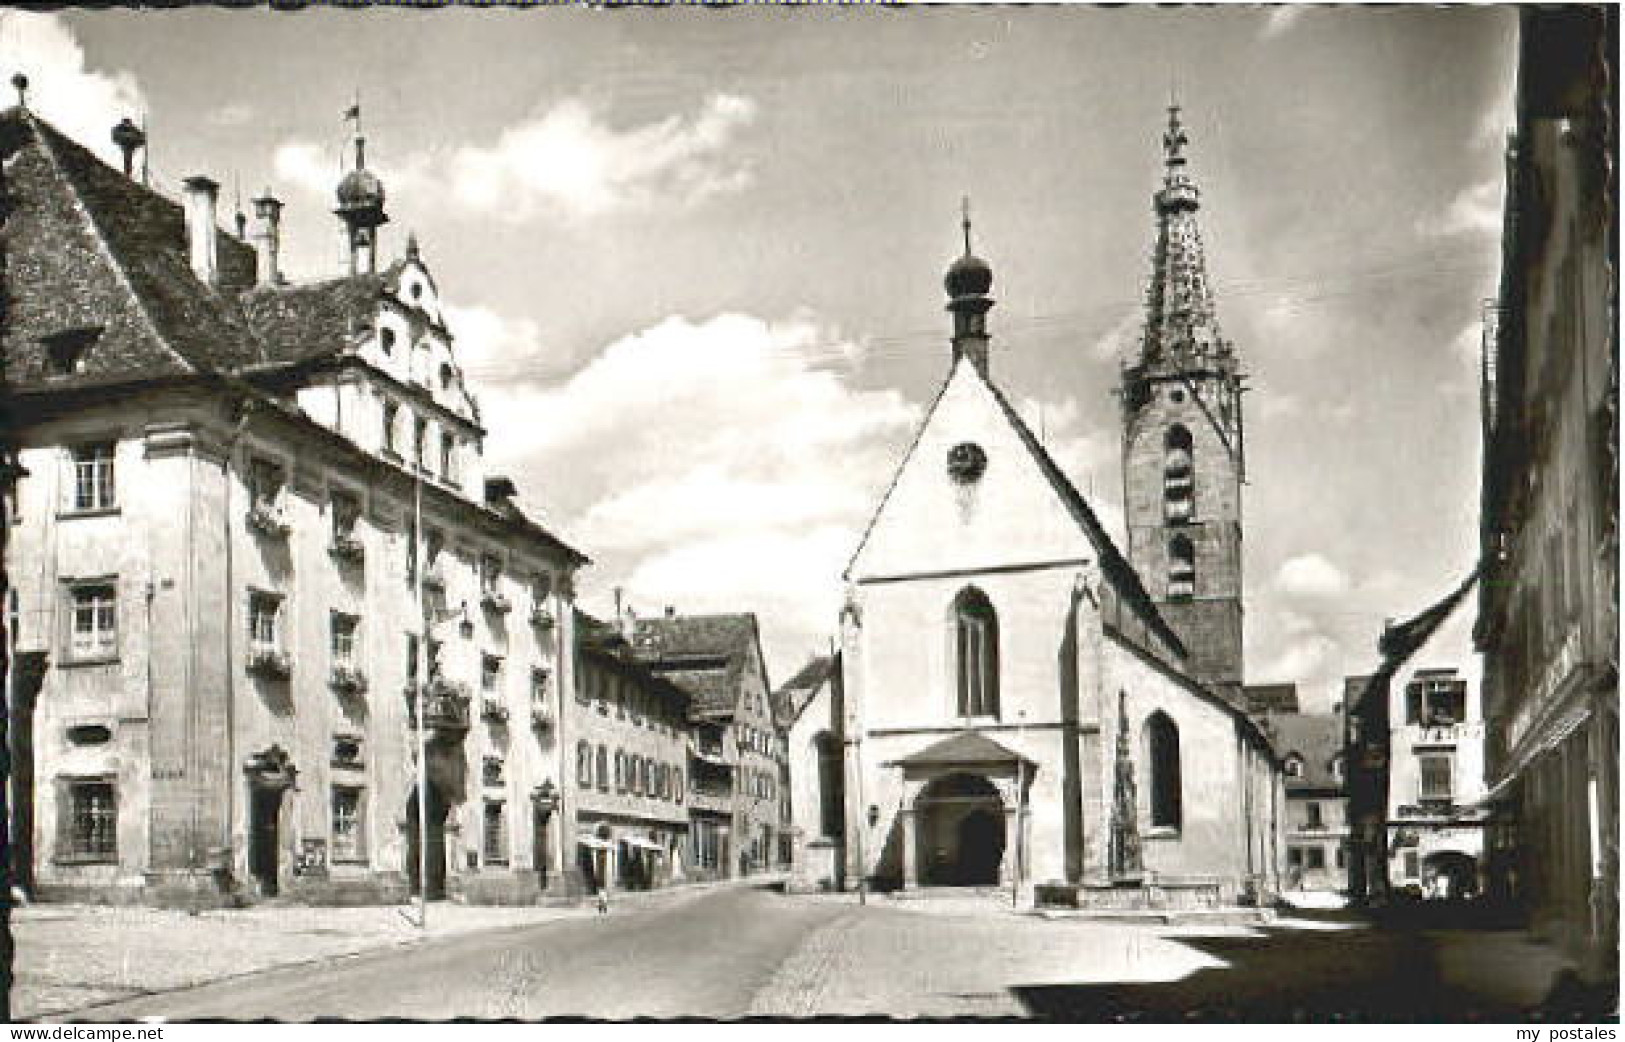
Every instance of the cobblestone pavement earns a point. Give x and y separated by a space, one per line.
738 952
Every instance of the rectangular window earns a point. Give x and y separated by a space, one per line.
93 622
92 808
1413 868
448 451
538 684
343 638
346 512
93 476
490 673
420 438
349 840
1312 816
490 573
391 421
1294 856
1314 857
265 482
264 610
1436 772
494 842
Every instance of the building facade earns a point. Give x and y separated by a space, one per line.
631 736
1436 810
1016 708
812 700
1317 823
1548 614
258 564
737 754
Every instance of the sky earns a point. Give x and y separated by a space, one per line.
693 257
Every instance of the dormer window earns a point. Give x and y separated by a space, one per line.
1294 766
65 351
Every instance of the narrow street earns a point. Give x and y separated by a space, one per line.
734 953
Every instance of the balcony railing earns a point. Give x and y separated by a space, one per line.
267 519
445 705
270 663
348 549
347 679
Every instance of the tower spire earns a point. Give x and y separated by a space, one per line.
361 201
968 280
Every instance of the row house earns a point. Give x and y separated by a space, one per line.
1548 622
258 564
1436 813
1317 827
738 758
630 731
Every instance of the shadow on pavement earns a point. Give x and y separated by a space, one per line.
1289 975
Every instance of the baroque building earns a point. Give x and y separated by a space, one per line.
258 562
1316 824
1548 621
1021 703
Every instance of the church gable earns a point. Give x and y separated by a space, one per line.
969 495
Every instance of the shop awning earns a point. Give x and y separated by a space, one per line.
645 844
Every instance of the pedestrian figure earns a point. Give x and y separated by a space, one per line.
603 901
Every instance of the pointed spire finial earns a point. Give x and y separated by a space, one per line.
412 252
964 211
20 82
1174 139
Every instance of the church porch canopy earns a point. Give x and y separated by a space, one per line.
969 751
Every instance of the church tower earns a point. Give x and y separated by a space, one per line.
1183 460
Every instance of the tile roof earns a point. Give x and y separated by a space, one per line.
1317 738
707 654
88 248
968 748
314 319
795 694
1271 698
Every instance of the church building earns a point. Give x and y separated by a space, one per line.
1022 702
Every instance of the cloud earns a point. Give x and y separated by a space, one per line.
492 347
1279 21
234 114
1476 210
81 102
1311 576
568 161
717 464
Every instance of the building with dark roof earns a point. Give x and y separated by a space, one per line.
1317 828
1022 703
256 543
738 763
1548 622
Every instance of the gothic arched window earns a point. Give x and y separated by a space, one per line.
1178 478
1181 568
1162 762
976 653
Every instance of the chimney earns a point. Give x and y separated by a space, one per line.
201 194
671 611
498 491
268 238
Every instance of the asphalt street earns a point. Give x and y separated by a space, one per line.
740 952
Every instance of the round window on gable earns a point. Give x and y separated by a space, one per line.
417 290
966 462
1177 395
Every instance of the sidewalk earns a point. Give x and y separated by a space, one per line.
72 956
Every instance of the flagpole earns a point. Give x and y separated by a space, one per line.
420 685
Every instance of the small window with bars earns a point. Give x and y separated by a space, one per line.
494 835
92 820
349 836
343 638
264 621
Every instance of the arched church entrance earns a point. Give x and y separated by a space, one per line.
961 831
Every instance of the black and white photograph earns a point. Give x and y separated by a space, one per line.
798 513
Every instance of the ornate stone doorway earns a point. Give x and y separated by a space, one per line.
271 774
434 835
961 832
